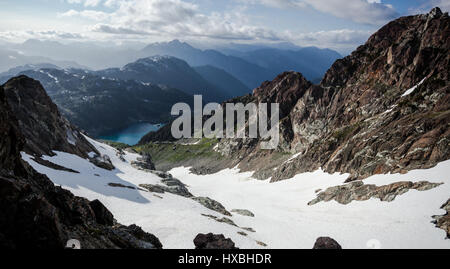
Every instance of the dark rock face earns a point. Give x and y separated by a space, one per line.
326 243
87 98
42 125
144 163
102 214
36 214
358 191
443 221
213 241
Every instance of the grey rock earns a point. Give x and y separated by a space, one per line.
212 204
213 241
223 220
144 163
102 161
358 191
326 243
243 212
173 186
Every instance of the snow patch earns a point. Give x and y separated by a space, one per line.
409 91
282 217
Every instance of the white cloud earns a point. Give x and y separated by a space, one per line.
89 14
443 4
45 34
361 11
343 40
86 3
171 18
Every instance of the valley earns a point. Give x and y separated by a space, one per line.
362 158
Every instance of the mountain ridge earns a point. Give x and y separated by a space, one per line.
37 214
384 108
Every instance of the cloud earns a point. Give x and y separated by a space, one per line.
343 40
444 5
86 3
171 18
89 14
49 34
372 12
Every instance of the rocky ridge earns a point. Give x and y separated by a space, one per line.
45 130
384 108
36 214
358 191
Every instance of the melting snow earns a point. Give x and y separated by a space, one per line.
409 91
282 217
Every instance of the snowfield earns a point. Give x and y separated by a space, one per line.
282 217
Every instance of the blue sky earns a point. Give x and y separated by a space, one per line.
337 24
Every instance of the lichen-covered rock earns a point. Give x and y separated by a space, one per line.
223 220
212 204
443 221
173 186
358 191
144 163
213 241
243 212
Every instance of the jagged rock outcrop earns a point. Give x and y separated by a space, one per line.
443 221
326 243
144 163
43 127
212 204
358 191
243 212
36 214
384 108
172 185
213 241
102 214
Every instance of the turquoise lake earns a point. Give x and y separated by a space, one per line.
132 134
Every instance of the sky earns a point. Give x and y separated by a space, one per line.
338 24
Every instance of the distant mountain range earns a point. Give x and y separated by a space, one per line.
144 90
13 58
251 64
172 72
100 105
313 62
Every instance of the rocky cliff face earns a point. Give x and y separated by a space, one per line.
36 214
385 108
41 124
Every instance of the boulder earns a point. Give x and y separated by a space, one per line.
326 243
243 212
212 204
213 241
144 162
